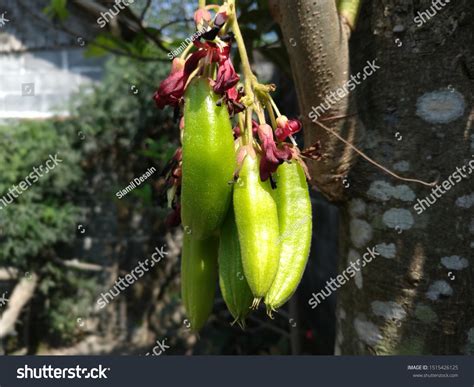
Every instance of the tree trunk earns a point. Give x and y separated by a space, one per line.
416 296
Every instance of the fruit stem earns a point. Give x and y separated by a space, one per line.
271 113
248 74
248 135
260 115
186 51
274 105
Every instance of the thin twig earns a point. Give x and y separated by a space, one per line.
83 266
340 117
166 25
145 10
147 33
373 161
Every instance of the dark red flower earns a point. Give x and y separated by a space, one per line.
171 90
193 61
286 127
209 49
234 105
255 126
272 156
233 94
237 132
226 75
215 53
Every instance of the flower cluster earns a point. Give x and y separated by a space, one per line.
212 50
274 149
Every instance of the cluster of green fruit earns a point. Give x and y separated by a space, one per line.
253 237
240 193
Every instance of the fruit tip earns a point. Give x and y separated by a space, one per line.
256 302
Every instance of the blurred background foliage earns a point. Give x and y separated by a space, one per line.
111 129
42 215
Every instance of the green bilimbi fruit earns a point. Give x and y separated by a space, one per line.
208 161
198 278
295 221
234 287
256 217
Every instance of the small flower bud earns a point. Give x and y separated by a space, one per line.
222 16
177 65
282 121
202 16
286 127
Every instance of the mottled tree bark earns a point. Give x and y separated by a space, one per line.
416 296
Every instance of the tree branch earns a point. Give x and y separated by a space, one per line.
317 45
147 33
21 295
8 274
83 266
145 10
63 28
170 23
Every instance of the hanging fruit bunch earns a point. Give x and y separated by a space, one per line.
238 183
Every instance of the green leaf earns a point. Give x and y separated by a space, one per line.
57 9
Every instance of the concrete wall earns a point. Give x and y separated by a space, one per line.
41 66
39 84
